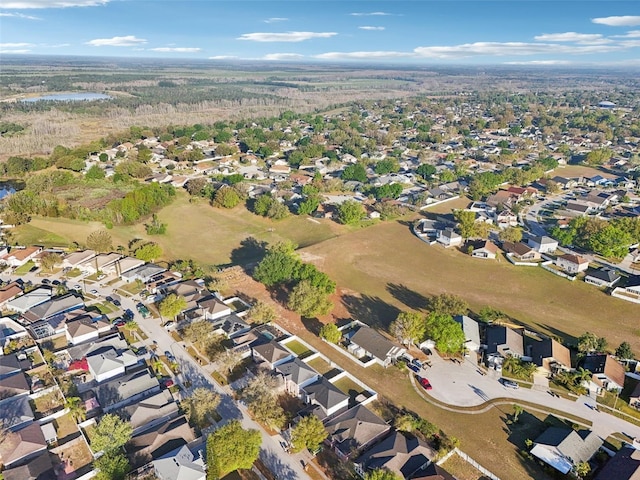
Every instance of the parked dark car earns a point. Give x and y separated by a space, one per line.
141 351
128 315
509 383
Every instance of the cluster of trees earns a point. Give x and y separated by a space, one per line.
269 206
139 203
148 252
109 436
610 239
438 325
309 287
262 400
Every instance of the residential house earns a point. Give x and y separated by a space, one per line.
150 412
100 262
14 386
571 263
107 362
16 412
625 465
125 390
271 353
521 251
144 273
121 265
38 468
231 326
19 256
9 365
9 292
564 448
543 244
75 259
157 442
21 445
184 463
607 372
565 183
212 308
433 472
471 331
486 250
25 302
325 397
500 342
296 375
505 219
368 342
548 353
602 277
353 431
53 307
579 208
632 287
634 397
402 455
86 328
448 238
502 199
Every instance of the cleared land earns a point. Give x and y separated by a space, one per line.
384 269
195 230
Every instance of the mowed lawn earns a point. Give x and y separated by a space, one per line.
385 268
195 231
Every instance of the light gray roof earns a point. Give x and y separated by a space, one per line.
30 300
578 447
271 351
104 362
152 408
180 464
296 371
77 258
122 388
374 343
143 271
470 328
53 307
78 352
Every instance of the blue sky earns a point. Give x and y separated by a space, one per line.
418 32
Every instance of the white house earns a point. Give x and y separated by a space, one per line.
543 244
572 263
448 238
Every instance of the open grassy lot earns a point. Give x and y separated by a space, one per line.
385 269
581 170
195 230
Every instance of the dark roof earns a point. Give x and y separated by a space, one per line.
9 364
401 454
158 442
13 385
433 472
271 351
605 274
325 394
625 465
504 340
296 371
40 468
548 348
373 342
355 428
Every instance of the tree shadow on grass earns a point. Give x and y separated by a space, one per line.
250 252
373 311
410 298
312 324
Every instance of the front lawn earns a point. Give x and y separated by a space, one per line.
24 269
299 349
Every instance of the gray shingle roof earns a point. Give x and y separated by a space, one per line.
373 342
325 394
355 428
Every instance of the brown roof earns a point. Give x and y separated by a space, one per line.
614 370
159 441
517 248
577 259
22 253
22 443
9 291
490 246
13 385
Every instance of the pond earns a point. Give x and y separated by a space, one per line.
4 191
69 97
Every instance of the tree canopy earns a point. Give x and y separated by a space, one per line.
309 433
231 448
408 327
171 305
331 333
350 212
201 404
100 241
445 332
110 434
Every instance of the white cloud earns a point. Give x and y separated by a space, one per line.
224 57
56 45
509 48
540 62
582 38
176 49
275 20
126 41
15 45
363 55
23 50
367 27
629 34
24 4
285 37
282 56
19 15
621 21
371 14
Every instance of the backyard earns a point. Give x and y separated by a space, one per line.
299 349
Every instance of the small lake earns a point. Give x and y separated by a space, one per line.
68 97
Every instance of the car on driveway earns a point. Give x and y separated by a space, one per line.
141 351
509 383
116 302
169 356
426 384
77 287
128 315
119 323
413 368
94 291
143 310
417 363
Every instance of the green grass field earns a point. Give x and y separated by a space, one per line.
195 231
385 269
